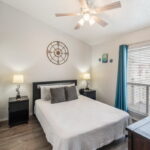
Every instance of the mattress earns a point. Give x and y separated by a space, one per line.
82 124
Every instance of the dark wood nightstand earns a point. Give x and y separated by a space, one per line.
18 110
89 93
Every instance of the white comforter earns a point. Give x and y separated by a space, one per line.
82 124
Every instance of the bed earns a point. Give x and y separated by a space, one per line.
81 124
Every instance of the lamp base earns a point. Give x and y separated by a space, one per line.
87 85
86 88
18 96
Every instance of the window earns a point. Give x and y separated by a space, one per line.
139 79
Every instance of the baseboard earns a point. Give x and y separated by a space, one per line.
4 119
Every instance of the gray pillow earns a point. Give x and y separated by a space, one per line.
57 95
71 93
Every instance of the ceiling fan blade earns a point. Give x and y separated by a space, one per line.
100 21
108 7
77 26
66 14
83 3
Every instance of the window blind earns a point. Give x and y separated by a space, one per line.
138 78
139 65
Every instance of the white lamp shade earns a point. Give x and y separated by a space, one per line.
19 78
86 76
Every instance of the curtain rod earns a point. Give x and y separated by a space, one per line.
141 42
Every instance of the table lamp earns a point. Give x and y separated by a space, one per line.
87 77
18 79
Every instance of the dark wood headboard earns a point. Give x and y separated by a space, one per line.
36 88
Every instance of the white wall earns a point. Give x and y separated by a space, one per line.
23 43
105 75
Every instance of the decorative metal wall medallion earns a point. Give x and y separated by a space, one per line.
57 52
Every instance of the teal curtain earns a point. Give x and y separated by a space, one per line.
121 89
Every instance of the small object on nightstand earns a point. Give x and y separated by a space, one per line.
18 110
88 93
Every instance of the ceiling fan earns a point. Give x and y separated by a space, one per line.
89 14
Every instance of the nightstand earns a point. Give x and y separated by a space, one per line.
18 110
89 93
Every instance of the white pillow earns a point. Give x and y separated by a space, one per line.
77 89
45 90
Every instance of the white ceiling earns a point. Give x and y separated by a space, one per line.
134 15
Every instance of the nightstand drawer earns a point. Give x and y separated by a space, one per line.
18 106
18 117
91 94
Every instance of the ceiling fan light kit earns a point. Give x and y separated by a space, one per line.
86 16
89 14
81 21
91 21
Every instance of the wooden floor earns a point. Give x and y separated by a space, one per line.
31 137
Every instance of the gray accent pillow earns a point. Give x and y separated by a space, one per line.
71 93
57 95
